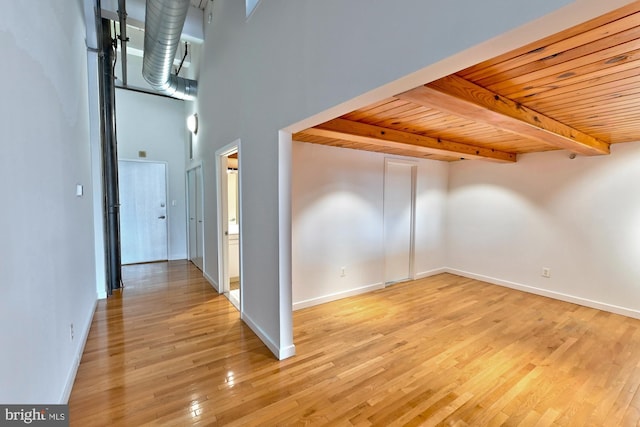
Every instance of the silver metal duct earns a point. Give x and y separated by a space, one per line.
164 20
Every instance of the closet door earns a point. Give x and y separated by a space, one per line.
399 203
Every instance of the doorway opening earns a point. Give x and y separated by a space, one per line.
399 220
229 223
195 213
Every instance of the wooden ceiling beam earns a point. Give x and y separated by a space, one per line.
457 96
352 131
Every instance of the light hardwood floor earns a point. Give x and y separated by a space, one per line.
444 350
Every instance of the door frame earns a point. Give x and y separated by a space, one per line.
412 221
166 193
223 217
200 189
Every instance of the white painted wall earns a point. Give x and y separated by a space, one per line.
431 197
291 61
156 124
47 270
337 221
580 218
294 64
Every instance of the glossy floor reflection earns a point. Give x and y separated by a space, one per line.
444 350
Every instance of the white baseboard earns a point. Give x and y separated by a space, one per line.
550 294
356 291
71 377
336 296
430 273
280 353
211 281
287 352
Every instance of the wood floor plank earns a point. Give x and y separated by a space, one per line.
445 350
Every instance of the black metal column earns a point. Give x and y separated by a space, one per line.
109 158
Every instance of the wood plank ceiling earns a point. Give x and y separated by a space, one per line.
578 90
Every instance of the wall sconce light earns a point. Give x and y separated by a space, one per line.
192 123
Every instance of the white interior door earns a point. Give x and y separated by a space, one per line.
199 218
195 206
234 229
399 195
191 203
143 211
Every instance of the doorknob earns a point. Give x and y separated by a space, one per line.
162 217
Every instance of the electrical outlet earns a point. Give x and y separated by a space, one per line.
546 272
343 271
71 331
